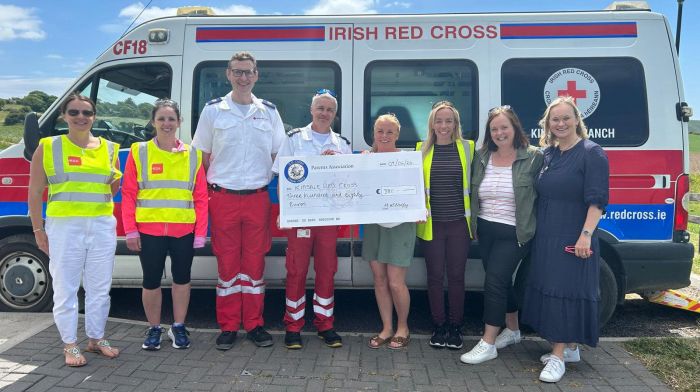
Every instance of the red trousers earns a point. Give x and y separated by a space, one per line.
240 238
302 243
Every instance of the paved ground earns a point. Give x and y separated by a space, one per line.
31 360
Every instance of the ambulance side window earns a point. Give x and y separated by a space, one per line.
610 93
289 85
124 96
409 88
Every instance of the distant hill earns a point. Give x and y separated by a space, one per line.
694 126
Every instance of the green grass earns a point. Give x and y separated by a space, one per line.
9 134
694 142
675 361
694 230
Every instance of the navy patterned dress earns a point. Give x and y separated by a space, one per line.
561 295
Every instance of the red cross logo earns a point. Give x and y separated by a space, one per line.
571 91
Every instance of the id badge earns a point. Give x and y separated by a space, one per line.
303 233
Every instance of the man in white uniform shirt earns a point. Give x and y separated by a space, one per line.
316 138
239 135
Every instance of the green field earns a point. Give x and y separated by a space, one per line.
694 142
9 134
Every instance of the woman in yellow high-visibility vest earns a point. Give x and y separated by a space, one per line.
164 212
446 234
82 174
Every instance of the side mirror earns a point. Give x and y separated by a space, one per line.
31 134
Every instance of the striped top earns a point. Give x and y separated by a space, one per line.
446 187
496 197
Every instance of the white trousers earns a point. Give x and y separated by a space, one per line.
81 247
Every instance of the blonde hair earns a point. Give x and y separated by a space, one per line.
456 134
549 140
390 117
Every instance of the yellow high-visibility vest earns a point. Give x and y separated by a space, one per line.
166 181
424 231
80 179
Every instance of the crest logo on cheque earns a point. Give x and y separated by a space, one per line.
576 83
296 171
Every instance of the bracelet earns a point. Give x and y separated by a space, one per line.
39 229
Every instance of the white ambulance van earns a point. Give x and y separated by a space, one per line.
620 66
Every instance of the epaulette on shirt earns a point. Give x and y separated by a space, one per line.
269 104
344 138
215 100
293 131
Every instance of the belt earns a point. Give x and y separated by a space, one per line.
217 188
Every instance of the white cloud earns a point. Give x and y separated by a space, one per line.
397 4
19 23
130 12
20 87
235 10
54 56
330 7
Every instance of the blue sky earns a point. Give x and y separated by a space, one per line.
46 44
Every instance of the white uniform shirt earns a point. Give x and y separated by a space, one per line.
241 146
302 143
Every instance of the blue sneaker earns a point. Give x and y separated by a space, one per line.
153 339
179 336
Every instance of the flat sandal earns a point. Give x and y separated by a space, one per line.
102 346
74 352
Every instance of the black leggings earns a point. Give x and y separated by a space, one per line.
501 255
154 249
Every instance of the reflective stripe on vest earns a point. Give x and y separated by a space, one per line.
86 194
168 199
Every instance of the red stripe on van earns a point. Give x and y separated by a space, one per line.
632 171
568 30
252 34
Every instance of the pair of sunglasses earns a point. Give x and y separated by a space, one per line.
572 249
326 91
75 112
504 108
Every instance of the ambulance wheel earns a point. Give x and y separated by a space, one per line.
607 287
25 283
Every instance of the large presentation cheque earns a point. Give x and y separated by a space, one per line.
346 189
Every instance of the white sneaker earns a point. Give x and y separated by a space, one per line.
569 355
553 370
507 337
482 352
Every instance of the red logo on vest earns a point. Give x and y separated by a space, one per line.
156 168
74 161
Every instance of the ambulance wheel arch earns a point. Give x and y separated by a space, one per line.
25 283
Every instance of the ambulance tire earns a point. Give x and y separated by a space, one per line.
607 287
25 282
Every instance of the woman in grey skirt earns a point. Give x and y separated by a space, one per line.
389 249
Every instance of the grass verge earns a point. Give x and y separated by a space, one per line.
675 361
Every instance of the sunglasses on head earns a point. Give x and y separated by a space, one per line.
75 112
326 91
443 103
504 108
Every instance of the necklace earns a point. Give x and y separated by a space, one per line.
569 147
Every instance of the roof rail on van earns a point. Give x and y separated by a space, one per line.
194 11
628 5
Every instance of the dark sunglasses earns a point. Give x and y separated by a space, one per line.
75 112
504 108
322 91
443 103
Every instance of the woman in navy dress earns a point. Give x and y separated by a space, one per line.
561 296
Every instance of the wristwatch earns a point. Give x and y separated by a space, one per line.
586 233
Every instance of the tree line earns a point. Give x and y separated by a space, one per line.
39 101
